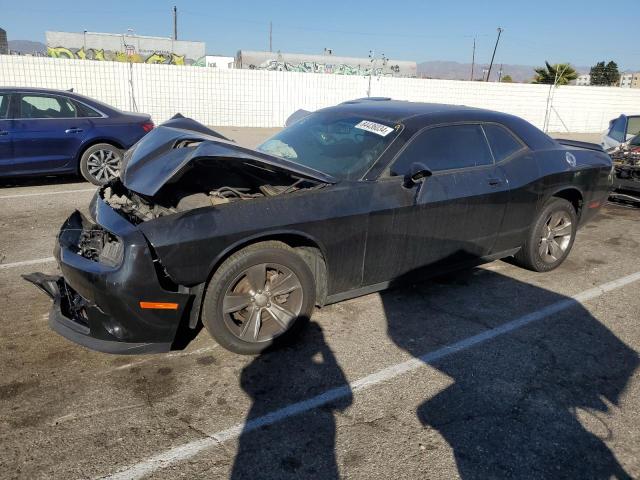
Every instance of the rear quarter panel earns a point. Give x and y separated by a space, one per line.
591 175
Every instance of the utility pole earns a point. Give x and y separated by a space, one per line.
500 74
473 57
271 36
175 23
494 53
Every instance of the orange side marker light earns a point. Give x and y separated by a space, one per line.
159 305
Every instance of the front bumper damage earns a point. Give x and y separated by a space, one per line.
98 301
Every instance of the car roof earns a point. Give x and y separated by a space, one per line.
416 115
384 108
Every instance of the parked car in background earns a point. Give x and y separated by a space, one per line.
346 201
45 132
621 130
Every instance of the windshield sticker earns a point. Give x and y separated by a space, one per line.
374 127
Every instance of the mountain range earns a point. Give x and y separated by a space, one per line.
27 46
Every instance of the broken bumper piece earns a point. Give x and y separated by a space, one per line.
98 300
69 317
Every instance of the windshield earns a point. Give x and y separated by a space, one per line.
342 146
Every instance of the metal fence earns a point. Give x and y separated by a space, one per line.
254 98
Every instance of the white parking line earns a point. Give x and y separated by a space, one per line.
188 450
40 194
26 262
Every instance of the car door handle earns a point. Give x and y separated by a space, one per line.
3 133
494 182
73 130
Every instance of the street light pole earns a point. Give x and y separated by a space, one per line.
473 57
175 22
494 53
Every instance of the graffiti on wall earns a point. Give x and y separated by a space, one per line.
167 58
316 67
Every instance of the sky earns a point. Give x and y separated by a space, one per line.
580 32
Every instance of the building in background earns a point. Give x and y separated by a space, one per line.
583 80
630 80
4 45
123 48
300 62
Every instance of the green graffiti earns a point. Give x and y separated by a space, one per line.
177 59
156 58
102 56
60 52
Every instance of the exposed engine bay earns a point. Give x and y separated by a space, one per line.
206 183
626 164
100 246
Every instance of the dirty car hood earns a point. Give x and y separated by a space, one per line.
155 160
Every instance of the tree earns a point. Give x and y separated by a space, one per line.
560 74
607 75
507 79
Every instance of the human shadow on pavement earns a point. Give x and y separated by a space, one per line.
531 403
304 445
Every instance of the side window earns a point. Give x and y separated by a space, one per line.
633 126
85 111
501 141
4 105
43 106
445 148
617 129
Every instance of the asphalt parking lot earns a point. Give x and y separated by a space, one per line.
495 372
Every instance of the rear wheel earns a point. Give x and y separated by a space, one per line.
551 238
260 294
100 163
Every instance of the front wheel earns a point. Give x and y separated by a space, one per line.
260 294
101 163
551 237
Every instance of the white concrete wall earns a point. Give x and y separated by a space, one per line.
249 98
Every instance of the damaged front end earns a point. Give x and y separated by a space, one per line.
109 279
115 294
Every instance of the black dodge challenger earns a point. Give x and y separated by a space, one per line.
345 201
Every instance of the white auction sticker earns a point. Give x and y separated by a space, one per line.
374 127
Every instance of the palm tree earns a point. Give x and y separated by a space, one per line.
559 74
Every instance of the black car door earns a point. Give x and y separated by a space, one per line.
451 218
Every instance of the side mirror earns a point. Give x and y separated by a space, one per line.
417 172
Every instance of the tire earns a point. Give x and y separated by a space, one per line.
545 249
100 163
234 302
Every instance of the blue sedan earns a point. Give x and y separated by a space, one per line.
44 132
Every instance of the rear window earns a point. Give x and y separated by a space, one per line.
503 143
86 111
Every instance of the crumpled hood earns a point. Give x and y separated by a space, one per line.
156 160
